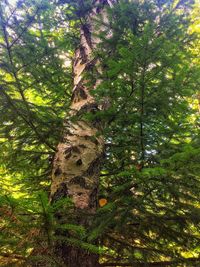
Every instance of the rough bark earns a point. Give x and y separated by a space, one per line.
79 155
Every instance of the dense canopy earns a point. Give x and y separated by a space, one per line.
143 77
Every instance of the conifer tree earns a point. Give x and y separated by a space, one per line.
99 133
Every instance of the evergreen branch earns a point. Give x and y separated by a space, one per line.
8 47
46 219
151 264
11 255
31 19
11 14
38 152
29 123
49 254
127 244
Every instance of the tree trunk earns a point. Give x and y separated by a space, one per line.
77 162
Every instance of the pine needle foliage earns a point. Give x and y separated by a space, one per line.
150 115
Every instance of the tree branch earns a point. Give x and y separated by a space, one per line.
29 123
150 264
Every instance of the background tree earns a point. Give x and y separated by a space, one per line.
150 175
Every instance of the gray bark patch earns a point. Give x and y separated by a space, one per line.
93 198
93 168
75 149
70 150
79 93
84 56
61 192
92 139
78 180
79 162
58 171
87 34
90 107
82 146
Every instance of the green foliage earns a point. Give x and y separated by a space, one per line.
150 176
151 172
35 83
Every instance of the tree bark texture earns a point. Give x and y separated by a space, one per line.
77 162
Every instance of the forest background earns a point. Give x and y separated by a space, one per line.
147 108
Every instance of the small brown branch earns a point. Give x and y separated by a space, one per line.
10 255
